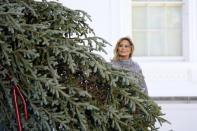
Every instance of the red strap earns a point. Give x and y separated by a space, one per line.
15 92
16 109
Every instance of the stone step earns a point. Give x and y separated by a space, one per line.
175 99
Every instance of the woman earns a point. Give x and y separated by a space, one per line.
123 58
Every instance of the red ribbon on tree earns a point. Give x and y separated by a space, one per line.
16 91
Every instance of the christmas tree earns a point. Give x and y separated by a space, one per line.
48 65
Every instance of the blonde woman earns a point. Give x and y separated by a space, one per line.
123 58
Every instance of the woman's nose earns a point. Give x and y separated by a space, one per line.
124 47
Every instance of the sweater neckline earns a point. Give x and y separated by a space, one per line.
127 61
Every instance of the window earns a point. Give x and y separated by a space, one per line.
157 27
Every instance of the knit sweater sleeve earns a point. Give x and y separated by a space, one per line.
141 79
136 72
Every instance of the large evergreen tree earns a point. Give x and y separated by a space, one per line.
48 50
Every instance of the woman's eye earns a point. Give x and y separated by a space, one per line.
125 46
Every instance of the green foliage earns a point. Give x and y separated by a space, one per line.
49 51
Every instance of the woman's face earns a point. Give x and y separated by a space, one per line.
124 49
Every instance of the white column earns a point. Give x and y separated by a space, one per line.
125 18
192 31
193 39
114 20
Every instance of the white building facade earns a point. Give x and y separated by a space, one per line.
164 33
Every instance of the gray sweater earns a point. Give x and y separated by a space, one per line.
134 67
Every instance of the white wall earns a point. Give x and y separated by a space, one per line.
181 115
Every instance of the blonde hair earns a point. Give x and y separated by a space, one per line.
116 56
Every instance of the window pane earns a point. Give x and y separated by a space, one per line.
155 17
156 43
139 17
140 43
173 43
157 29
173 17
